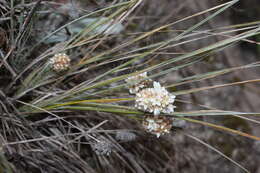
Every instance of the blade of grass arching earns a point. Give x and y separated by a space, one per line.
214 87
256 23
156 75
192 34
248 119
111 71
104 105
131 56
110 90
114 70
217 151
72 92
210 75
224 33
181 20
178 37
167 42
211 113
185 32
188 79
110 110
226 129
100 104
209 107
89 101
96 107
207 49
154 45
99 57
231 3
118 57
209 33
251 33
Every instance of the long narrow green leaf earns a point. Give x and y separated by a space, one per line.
215 86
223 128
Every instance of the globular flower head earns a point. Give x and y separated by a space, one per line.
138 82
60 62
158 125
155 100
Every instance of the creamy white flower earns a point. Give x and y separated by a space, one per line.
157 125
138 82
60 62
155 100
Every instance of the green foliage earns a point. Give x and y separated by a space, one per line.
95 80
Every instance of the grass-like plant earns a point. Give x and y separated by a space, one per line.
83 119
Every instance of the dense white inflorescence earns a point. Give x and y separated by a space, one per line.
155 100
60 62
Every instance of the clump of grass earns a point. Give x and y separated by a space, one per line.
69 121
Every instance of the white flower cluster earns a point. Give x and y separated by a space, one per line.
155 100
60 62
138 82
157 125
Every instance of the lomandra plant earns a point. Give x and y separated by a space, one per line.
80 104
